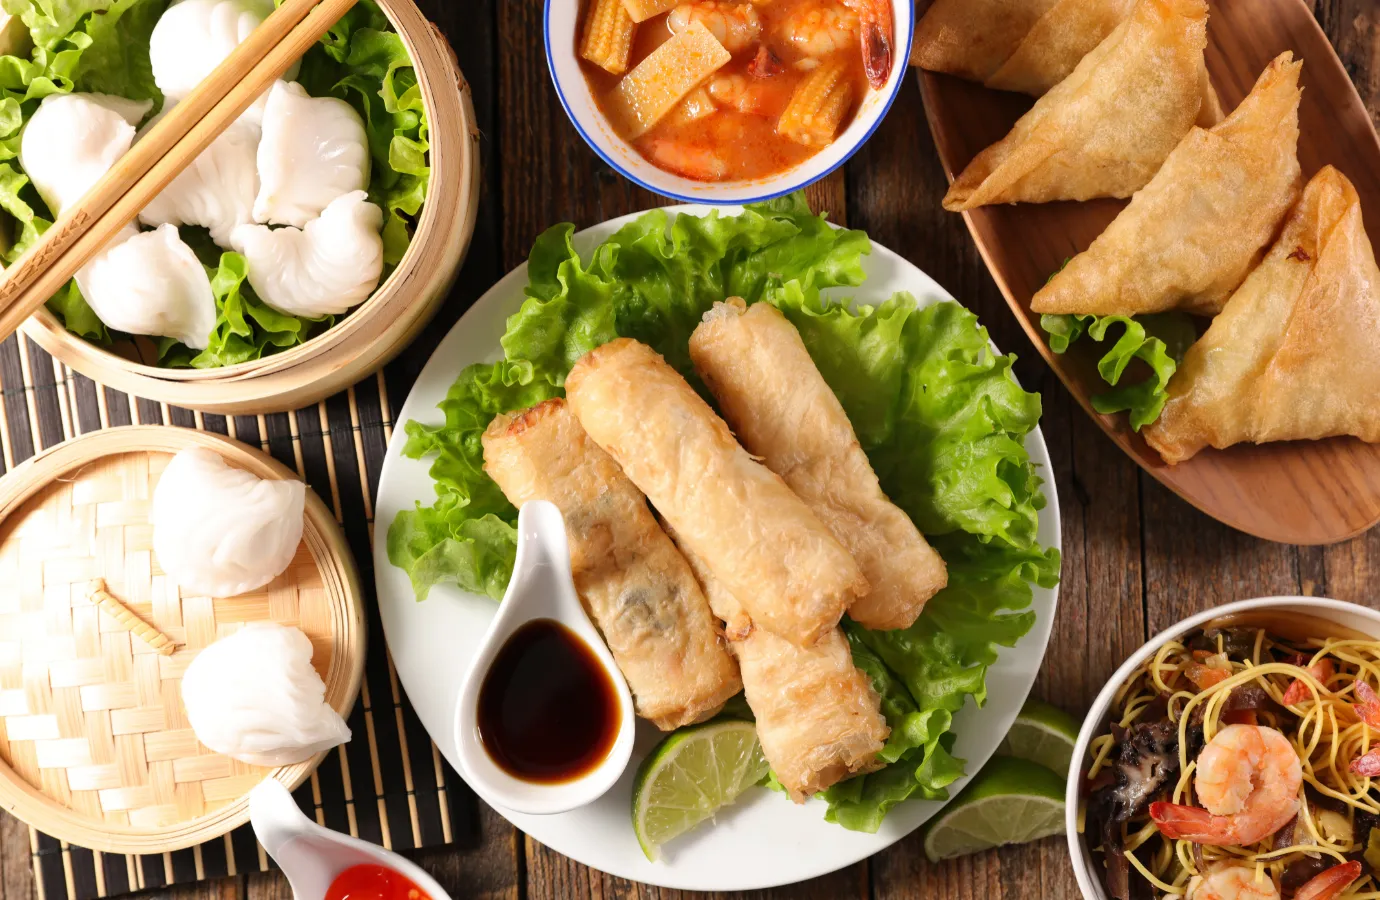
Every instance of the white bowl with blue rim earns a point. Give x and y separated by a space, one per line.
562 26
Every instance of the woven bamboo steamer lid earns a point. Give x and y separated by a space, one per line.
372 333
95 748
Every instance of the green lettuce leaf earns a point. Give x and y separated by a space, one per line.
1159 340
938 413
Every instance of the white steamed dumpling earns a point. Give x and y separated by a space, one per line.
219 531
254 696
73 139
314 149
217 190
151 283
331 265
194 36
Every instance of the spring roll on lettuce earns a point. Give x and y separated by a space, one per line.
780 407
756 536
635 585
818 719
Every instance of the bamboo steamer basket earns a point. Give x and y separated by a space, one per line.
374 332
95 747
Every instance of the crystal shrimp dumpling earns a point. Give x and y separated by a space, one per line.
73 140
151 283
194 36
217 190
331 265
314 149
220 531
254 696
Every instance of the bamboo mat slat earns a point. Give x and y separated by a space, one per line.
389 785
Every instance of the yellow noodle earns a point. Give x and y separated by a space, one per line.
1149 876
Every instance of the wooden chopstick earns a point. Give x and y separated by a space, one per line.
158 158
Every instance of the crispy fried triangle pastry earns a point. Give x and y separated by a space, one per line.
1057 42
972 38
1295 354
1106 129
633 581
784 412
1190 236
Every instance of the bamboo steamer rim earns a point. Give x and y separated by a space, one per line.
340 583
373 332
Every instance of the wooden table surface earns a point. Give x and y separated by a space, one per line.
1136 558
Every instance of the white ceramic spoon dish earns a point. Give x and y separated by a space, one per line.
762 841
541 588
311 856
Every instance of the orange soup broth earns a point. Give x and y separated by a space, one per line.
732 144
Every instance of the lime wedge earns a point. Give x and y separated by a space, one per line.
1011 801
691 775
1042 734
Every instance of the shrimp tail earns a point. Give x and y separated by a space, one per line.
1190 823
876 31
1328 884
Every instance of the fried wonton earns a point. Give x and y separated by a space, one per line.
1106 129
972 38
1190 236
1295 355
1056 43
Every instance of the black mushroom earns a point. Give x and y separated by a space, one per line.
1146 766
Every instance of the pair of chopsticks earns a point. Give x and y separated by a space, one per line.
172 145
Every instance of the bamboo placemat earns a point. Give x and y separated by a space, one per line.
389 785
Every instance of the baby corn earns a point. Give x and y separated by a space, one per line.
608 36
642 10
659 82
817 106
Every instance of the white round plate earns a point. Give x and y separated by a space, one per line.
762 841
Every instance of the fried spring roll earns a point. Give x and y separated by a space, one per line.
757 537
784 413
633 581
818 718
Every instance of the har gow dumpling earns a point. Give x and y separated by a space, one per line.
219 531
73 139
331 265
254 696
314 149
151 283
1106 129
194 36
217 190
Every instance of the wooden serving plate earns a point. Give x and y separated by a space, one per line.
1298 492
95 747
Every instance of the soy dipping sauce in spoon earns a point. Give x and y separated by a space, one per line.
548 712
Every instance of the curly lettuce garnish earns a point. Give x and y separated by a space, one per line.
1159 340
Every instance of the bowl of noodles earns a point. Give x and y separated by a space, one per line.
1236 756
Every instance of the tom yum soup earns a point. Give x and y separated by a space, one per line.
724 90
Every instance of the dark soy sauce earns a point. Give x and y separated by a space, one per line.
548 712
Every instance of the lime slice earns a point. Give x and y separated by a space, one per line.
1042 734
1011 801
690 776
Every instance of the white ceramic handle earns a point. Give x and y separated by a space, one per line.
275 816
